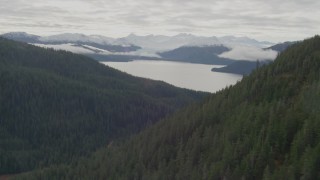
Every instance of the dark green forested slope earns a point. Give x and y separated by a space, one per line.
240 67
56 106
265 127
195 54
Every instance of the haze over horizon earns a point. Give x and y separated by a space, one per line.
265 21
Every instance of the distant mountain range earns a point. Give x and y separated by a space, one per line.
132 45
162 43
104 44
242 51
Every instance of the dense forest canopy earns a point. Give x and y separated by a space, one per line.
196 54
265 127
57 106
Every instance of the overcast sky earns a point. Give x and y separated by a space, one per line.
271 20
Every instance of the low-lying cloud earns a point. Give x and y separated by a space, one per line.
249 53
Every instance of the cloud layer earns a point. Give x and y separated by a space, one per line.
249 53
265 20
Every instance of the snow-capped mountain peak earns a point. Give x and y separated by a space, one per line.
70 37
243 40
21 36
135 44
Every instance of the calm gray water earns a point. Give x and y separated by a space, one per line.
192 76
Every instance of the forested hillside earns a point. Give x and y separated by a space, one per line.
265 127
56 106
241 67
195 54
281 46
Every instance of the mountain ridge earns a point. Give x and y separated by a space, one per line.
132 39
94 40
241 67
57 106
201 55
264 127
133 47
